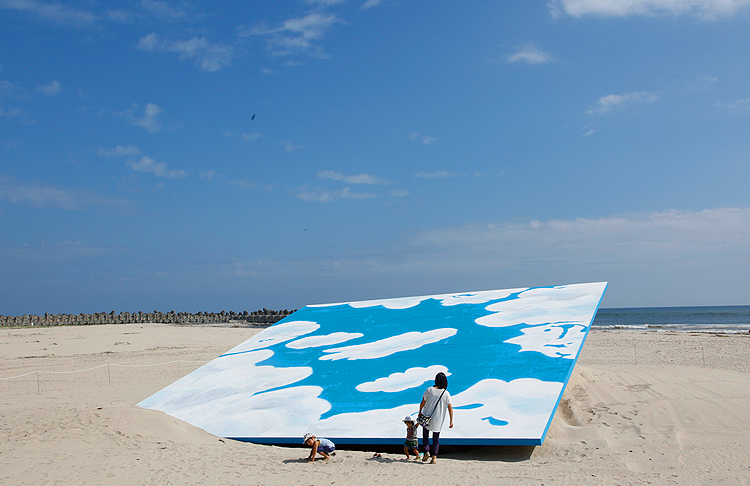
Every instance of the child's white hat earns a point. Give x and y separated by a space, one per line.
408 419
307 436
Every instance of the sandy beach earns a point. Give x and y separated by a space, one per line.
640 408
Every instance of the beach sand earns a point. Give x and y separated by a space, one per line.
640 408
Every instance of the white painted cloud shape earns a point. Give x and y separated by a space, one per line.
551 340
326 340
214 391
396 382
276 334
389 346
569 303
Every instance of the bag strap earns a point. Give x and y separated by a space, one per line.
438 402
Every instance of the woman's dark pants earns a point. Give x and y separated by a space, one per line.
432 448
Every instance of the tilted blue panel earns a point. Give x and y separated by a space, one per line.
350 372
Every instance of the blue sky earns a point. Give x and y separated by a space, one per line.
201 156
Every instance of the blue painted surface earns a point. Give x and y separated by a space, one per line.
351 371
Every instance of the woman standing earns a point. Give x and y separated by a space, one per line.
435 401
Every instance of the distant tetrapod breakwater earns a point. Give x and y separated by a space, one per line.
263 317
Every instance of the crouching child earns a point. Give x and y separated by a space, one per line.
319 445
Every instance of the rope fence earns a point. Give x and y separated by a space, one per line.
106 365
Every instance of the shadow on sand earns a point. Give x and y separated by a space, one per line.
460 453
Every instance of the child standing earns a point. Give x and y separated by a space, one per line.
321 446
412 442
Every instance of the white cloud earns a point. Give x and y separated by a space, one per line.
443 174
325 3
208 175
321 194
351 179
290 147
209 56
150 119
294 36
607 103
704 9
530 54
52 12
16 112
159 169
10 90
47 196
739 105
49 89
396 382
162 9
388 346
120 151
673 257
425 138
370 4
641 237
326 340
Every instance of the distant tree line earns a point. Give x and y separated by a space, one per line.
262 317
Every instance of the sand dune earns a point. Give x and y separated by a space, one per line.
640 408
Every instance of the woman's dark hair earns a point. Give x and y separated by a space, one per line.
441 381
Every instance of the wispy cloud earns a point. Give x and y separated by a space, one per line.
739 105
150 119
163 9
55 13
49 89
148 165
611 102
529 54
119 151
324 3
11 91
290 147
299 35
424 138
351 179
703 9
19 113
208 175
443 174
323 195
209 56
643 236
370 4
49 196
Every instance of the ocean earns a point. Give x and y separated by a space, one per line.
712 319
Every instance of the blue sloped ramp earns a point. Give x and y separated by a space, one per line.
350 372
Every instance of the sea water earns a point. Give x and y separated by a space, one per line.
712 319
